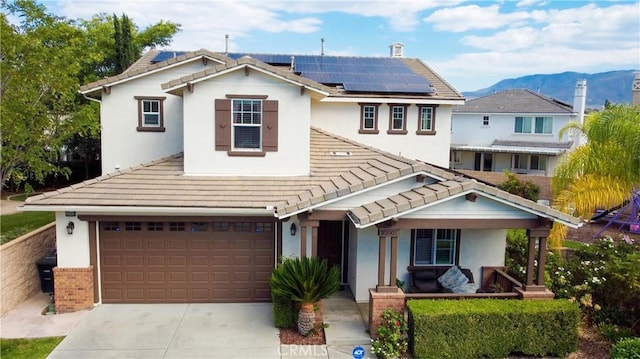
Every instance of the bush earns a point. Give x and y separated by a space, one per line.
492 328
285 314
514 185
626 349
614 332
392 335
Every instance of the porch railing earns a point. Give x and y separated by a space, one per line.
498 280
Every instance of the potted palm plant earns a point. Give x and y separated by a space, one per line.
305 281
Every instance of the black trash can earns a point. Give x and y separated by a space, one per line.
45 269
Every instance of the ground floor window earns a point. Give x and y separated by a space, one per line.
435 246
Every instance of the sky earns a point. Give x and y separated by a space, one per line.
472 44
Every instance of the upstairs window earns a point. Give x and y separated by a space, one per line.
426 120
397 119
539 124
485 120
150 113
435 246
368 118
247 124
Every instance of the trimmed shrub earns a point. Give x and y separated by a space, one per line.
492 328
285 314
626 349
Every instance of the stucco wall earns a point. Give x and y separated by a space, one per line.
292 157
482 247
18 270
122 145
344 119
73 249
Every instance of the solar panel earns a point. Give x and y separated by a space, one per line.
166 55
356 74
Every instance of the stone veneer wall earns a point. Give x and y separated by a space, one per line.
19 278
378 302
74 289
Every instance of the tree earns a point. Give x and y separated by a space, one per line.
514 185
604 172
126 53
38 89
44 59
305 281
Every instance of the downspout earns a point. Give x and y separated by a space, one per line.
91 99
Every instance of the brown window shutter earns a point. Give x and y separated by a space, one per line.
223 125
270 125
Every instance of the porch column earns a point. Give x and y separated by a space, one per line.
383 233
540 236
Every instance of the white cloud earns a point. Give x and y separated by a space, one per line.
470 17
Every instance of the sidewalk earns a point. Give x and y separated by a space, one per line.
9 207
26 321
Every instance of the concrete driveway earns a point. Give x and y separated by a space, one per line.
174 331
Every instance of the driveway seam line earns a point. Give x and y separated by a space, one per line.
173 337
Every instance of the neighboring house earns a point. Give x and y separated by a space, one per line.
515 130
249 158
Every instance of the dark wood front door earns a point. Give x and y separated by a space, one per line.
332 239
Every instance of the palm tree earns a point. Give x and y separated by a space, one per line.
305 281
603 172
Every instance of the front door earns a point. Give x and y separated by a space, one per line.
333 243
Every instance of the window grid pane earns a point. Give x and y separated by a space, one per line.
398 118
151 113
426 116
423 246
247 124
369 115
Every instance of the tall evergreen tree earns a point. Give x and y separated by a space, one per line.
126 52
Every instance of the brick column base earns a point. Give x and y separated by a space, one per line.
73 289
535 295
378 302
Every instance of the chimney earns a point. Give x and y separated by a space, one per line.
579 104
397 49
635 90
580 100
226 43
322 46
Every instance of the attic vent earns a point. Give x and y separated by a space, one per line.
341 153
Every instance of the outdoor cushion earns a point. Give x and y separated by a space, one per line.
465 288
452 278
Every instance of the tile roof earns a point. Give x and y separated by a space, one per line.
514 101
397 205
144 66
241 63
339 167
440 90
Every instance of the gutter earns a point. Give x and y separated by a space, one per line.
181 211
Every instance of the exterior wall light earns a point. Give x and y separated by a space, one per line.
293 229
70 227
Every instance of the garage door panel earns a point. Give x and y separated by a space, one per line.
156 277
135 260
155 260
133 244
216 262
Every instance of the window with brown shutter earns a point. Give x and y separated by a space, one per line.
246 125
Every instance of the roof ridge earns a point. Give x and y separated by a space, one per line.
326 56
550 99
104 177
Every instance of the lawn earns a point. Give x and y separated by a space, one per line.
14 225
28 348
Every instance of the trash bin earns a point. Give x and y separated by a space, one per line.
45 269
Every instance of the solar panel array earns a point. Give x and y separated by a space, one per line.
354 74
166 55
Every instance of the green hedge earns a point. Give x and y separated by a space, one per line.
492 328
626 349
284 312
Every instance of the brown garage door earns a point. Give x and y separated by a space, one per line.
182 262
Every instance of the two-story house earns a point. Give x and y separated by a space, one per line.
514 130
216 165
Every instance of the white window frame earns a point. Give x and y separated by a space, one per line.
426 122
526 124
369 113
398 114
485 120
238 118
157 113
547 125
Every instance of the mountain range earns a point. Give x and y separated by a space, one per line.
612 86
